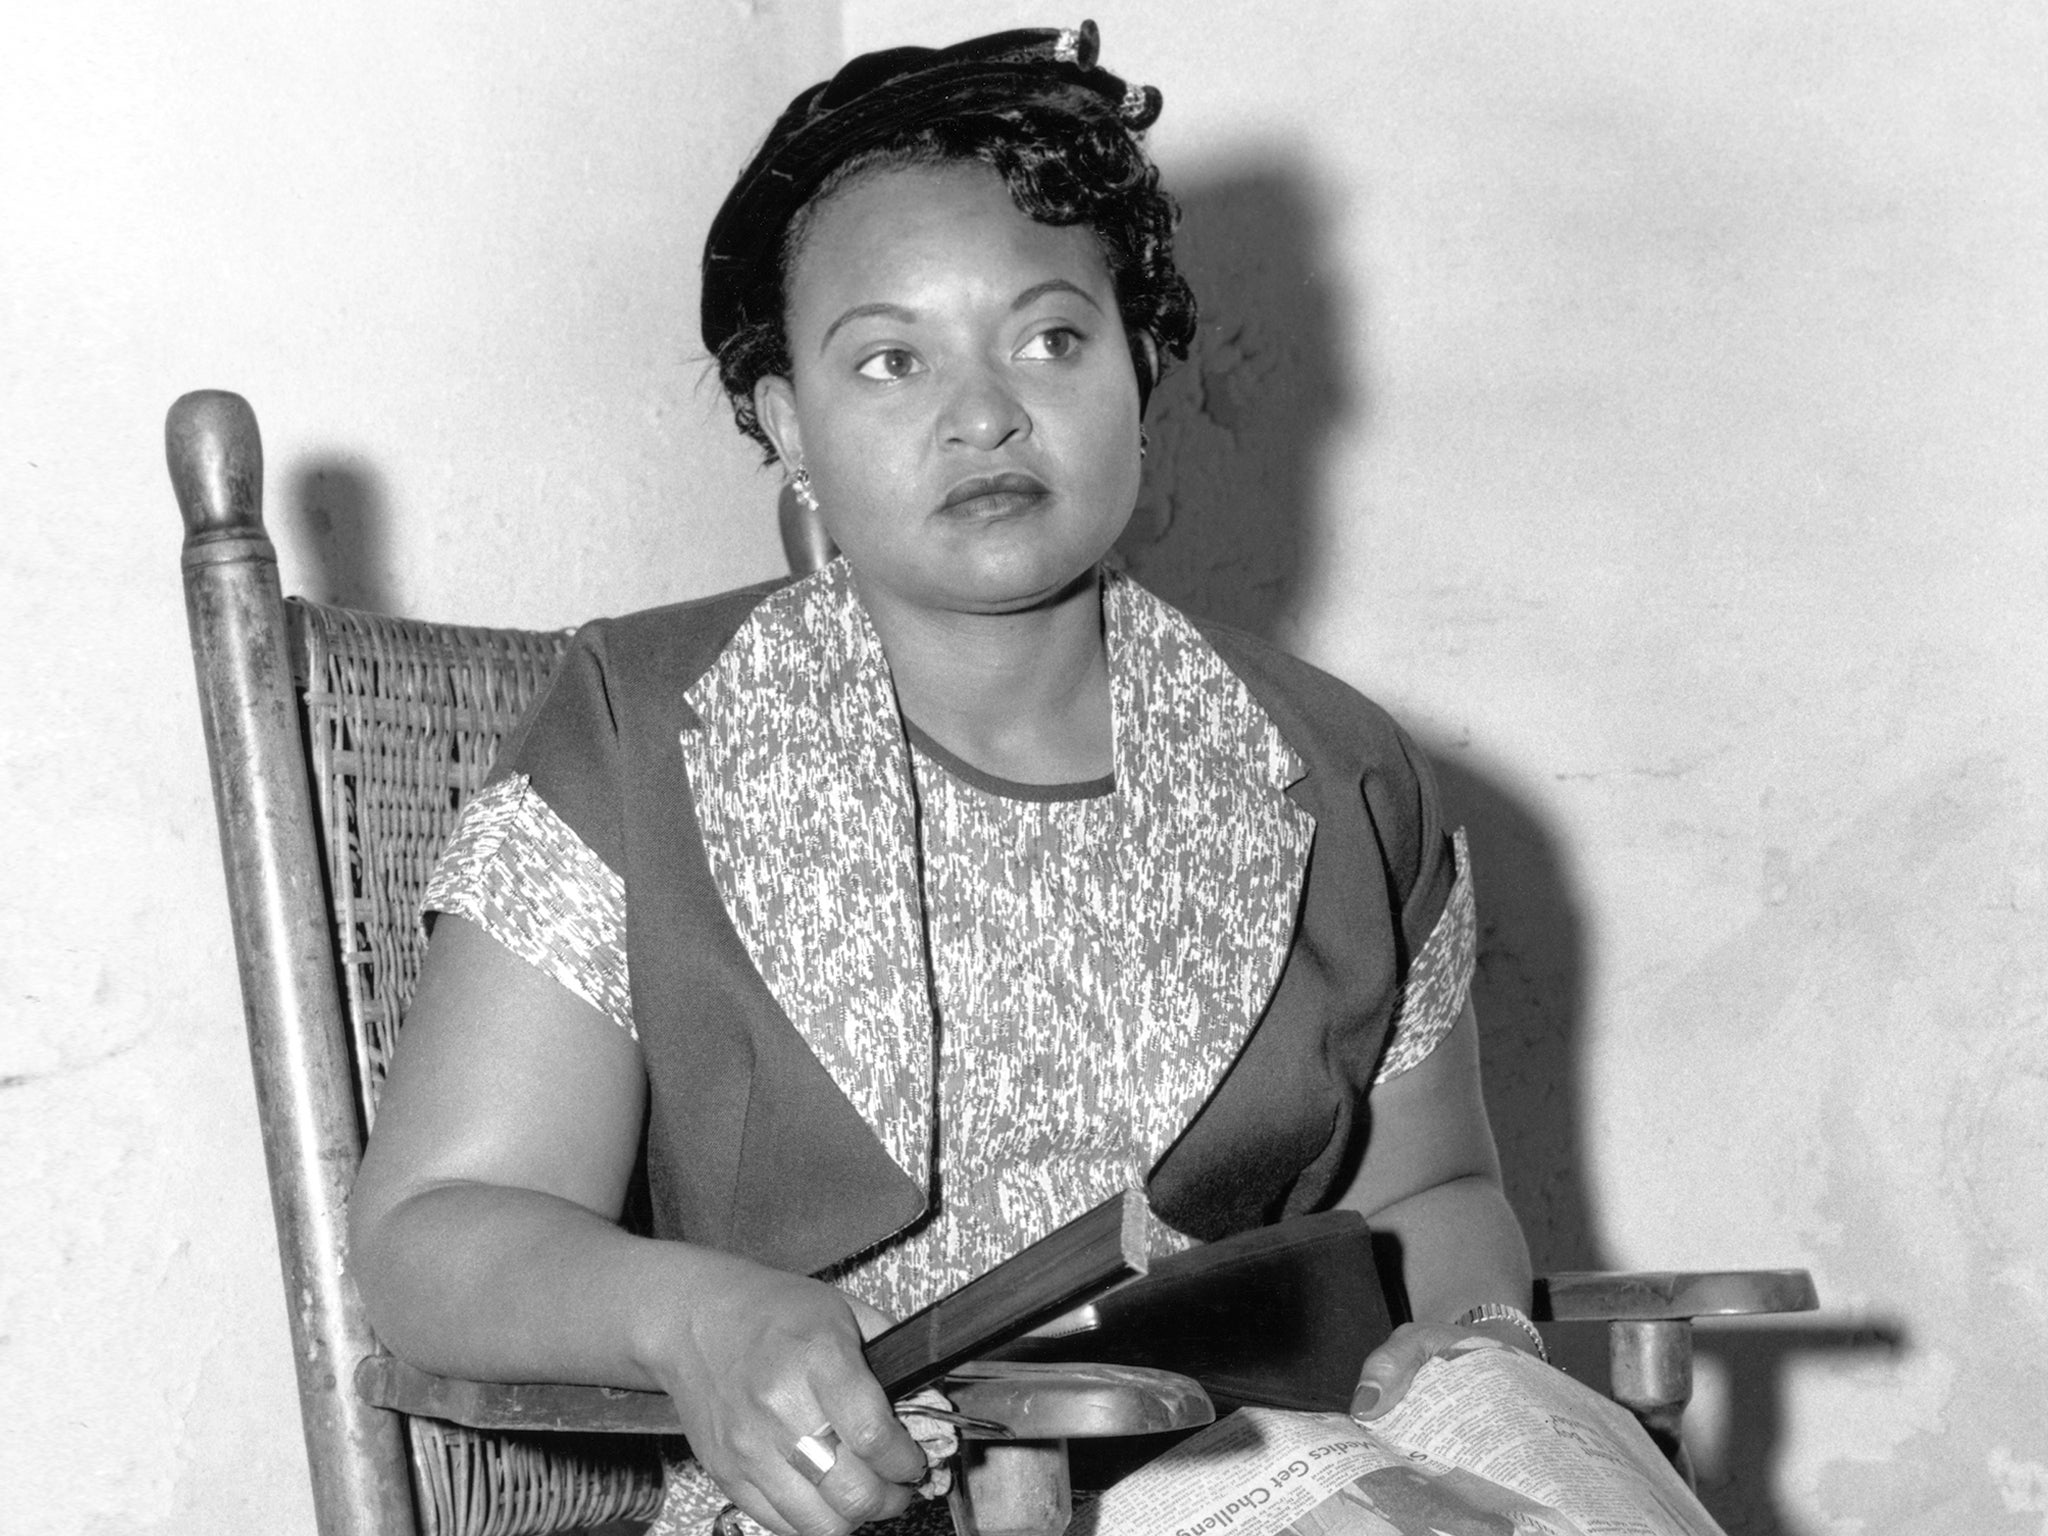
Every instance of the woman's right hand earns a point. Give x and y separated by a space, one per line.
483 1233
759 1358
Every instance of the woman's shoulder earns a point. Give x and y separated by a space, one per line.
1355 753
1322 716
675 643
622 684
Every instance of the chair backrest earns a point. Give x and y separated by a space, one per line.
402 719
343 746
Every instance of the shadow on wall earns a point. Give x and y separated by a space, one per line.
1756 1358
1530 995
1230 520
336 516
1230 517
1238 431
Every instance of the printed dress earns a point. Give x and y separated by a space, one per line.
1090 958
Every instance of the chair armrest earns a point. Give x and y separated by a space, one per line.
1649 1316
389 1382
1077 1402
1649 1295
1049 1402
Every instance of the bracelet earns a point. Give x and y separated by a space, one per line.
1500 1312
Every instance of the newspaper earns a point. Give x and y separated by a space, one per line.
1487 1442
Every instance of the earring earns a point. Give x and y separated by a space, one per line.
800 483
1144 442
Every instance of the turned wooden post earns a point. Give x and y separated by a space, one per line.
1649 1316
1012 1488
312 1131
1649 1365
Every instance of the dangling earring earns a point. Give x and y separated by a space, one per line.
1144 442
805 542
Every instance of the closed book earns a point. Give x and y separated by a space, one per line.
1280 1317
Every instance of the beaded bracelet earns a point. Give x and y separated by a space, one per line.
1500 1312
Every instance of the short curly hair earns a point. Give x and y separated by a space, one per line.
1061 169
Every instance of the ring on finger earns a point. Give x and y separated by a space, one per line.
814 1454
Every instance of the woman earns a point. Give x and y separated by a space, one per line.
897 915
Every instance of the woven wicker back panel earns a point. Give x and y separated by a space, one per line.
402 721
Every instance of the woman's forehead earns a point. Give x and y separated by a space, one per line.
902 231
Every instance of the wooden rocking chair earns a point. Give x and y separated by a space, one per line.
343 745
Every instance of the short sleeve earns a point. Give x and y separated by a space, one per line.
1401 796
568 747
1439 979
521 873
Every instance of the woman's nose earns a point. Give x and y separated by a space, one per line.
984 412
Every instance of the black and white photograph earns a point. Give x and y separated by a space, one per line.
788 765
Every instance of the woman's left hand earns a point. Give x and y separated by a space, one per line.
1384 1378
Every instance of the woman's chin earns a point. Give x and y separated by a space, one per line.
1023 587
992 582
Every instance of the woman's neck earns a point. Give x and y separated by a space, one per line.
1023 696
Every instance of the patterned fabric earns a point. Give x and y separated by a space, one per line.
1134 935
538 889
517 871
1135 926
1439 979
801 785
1098 955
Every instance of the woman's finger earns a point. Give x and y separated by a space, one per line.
809 1483
855 1463
868 1429
1383 1380
782 1410
819 1488
870 1320
853 1489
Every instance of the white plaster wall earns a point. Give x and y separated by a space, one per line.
1649 403
1644 401
449 252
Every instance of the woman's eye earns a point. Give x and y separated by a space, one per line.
1052 345
889 363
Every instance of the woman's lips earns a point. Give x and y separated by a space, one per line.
994 495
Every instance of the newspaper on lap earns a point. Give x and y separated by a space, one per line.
1488 1442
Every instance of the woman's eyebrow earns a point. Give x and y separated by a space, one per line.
1038 291
864 312
897 312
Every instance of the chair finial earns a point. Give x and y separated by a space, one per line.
216 460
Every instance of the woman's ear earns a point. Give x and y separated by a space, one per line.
1145 364
1149 346
775 409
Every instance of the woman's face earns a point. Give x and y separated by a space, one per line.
961 392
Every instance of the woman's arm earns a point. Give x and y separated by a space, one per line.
483 1234
1430 1179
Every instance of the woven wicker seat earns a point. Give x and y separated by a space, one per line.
343 745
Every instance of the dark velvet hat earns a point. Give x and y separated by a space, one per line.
869 102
